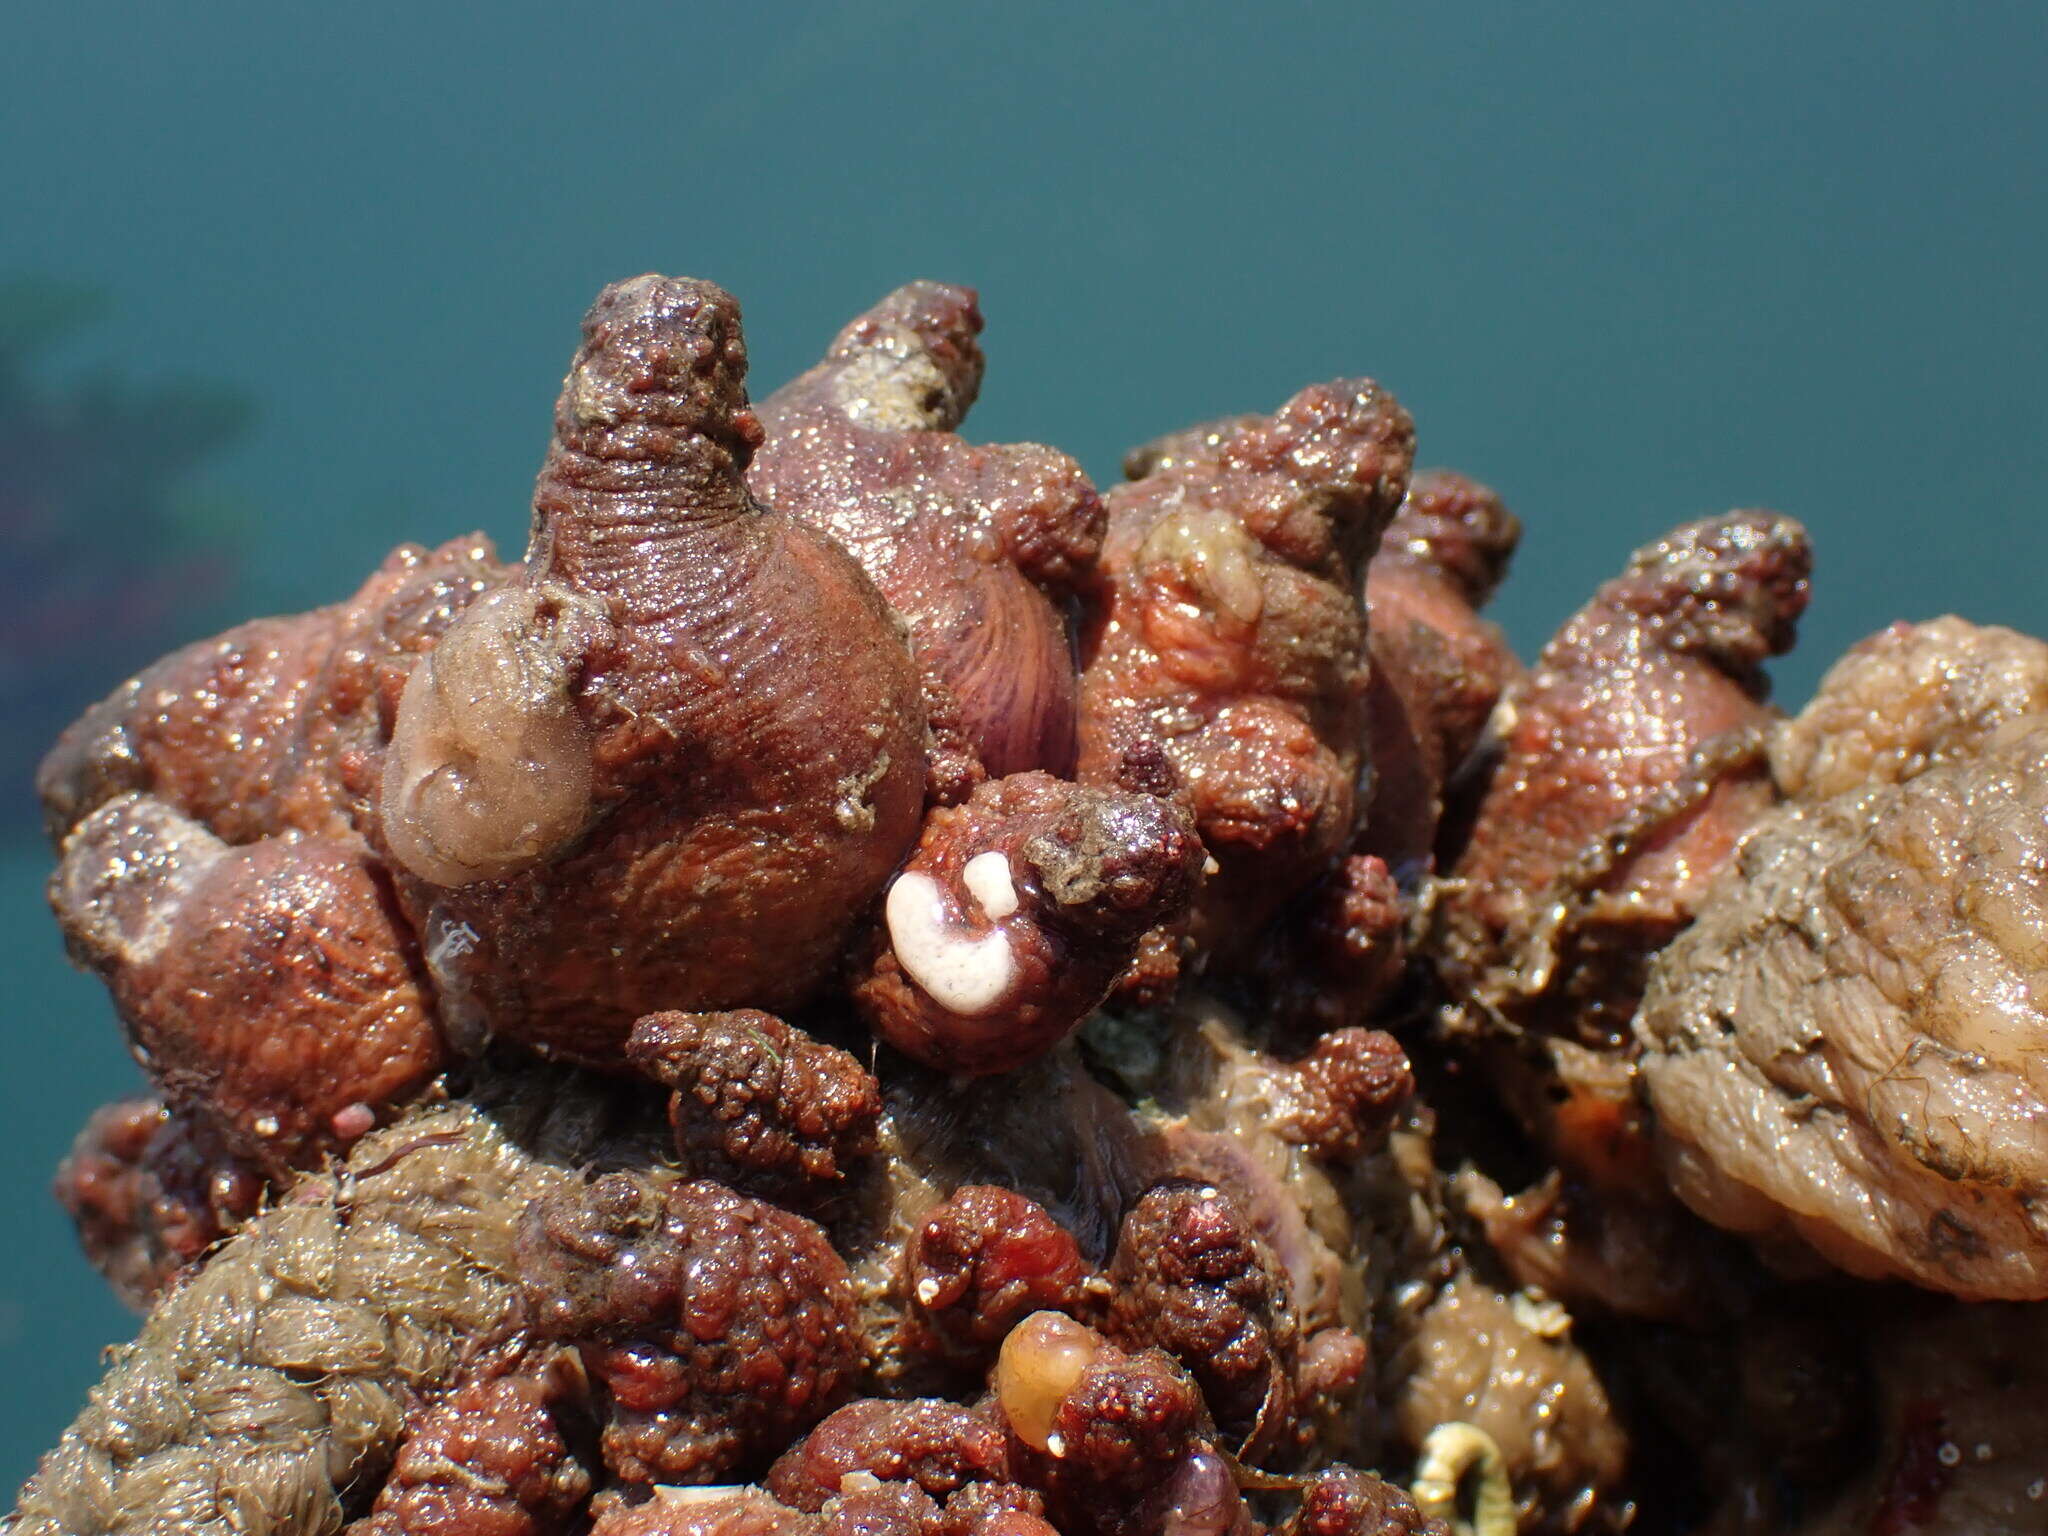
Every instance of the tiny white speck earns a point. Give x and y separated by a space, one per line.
1055 1446
1983 1451
927 1291
1949 1453
268 1126
2038 1489
710 1493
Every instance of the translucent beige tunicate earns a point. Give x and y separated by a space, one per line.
1850 1045
489 767
1905 699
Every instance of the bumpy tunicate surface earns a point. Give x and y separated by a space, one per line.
718 1325
1229 632
1845 1048
1032 1105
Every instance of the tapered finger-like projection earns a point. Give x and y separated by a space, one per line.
1620 775
1437 667
1033 1104
751 719
1630 763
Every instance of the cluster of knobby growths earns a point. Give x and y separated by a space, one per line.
864 986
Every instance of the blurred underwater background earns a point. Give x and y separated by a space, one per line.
283 286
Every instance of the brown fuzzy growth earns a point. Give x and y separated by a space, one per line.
718 1326
278 1376
756 1102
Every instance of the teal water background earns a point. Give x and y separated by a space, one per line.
1629 263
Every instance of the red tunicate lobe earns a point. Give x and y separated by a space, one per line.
1227 627
977 547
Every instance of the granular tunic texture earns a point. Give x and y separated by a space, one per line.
718 1326
938 1445
1191 1277
1228 629
487 1460
984 1260
757 1102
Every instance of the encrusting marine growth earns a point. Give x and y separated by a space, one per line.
861 988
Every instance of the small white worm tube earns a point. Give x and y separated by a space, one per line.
964 975
1450 1452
